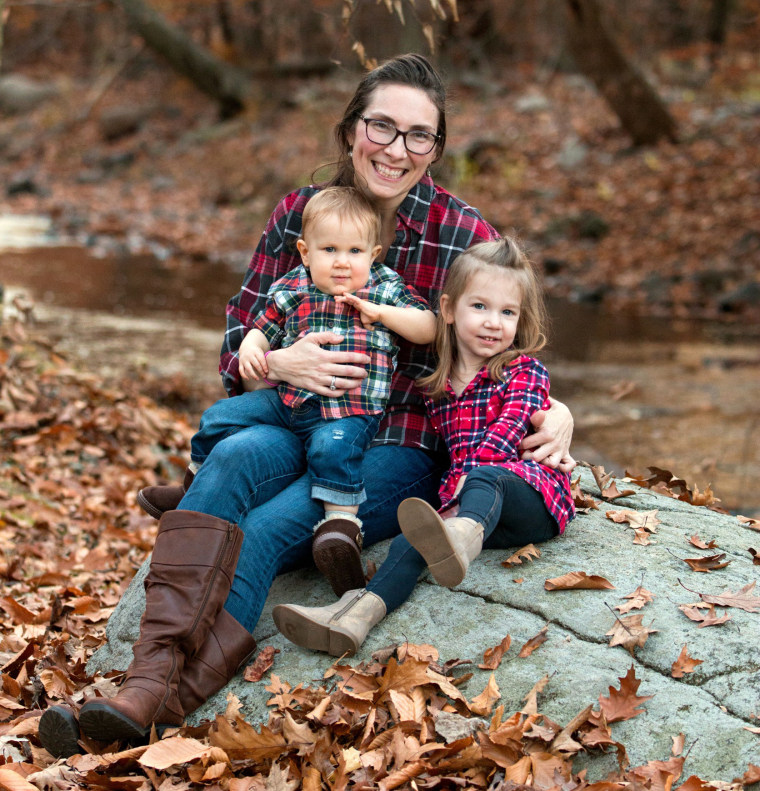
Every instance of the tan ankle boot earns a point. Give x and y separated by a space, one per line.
337 629
448 546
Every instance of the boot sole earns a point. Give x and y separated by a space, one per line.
105 724
423 528
339 560
307 633
59 732
148 507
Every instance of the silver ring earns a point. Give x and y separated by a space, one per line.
332 383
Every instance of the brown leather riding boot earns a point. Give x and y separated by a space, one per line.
227 648
158 500
191 572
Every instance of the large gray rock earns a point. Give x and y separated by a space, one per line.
712 707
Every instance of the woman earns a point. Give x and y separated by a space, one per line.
196 630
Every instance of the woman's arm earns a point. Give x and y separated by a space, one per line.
550 444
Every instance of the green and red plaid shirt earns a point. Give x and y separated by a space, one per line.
432 228
295 307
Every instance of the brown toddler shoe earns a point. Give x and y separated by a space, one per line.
337 551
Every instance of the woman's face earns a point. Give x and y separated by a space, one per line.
386 173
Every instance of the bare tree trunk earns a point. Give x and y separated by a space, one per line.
2 25
229 86
640 110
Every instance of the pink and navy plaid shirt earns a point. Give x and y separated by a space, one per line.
432 228
295 307
485 425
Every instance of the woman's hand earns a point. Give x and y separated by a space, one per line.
550 444
306 364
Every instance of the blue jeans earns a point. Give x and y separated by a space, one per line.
511 511
256 478
334 448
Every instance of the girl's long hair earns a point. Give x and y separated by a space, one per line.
504 254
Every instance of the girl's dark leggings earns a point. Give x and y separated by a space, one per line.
511 511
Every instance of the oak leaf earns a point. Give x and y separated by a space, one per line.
658 775
531 645
630 632
483 704
623 704
527 553
531 699
606 482
492 656
742 599
264 660
583 502
684 664
697 542
638 599
755 556
707 563
749 522
694 613
577 580
645 520
752 775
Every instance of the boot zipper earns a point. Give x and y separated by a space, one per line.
217 566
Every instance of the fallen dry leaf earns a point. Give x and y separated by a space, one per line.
531 699
629 632
696 541
623 703
492 656
638 520
638 599
606 482
527 553
742 599
749 522
531 645
577 580
263 662
684 664
694 613
755 556
707 563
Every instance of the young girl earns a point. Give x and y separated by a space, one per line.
480 399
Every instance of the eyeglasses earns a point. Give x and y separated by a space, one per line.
416 141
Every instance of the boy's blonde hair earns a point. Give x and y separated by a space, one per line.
503 254
349 204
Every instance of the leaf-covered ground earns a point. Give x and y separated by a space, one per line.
75 448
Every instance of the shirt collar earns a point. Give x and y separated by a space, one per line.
415 207
474 382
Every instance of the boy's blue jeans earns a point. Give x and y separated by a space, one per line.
334 448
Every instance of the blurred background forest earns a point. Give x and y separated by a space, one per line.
143 145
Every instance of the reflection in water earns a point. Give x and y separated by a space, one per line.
688 388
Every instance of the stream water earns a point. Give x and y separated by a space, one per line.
673 394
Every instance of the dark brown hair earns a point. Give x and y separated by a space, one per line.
412 70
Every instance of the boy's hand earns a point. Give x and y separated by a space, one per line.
252 361
369 311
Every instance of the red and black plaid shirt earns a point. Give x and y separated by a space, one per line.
432 228
485 425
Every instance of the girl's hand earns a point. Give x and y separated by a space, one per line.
550 444
369 311
307 365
